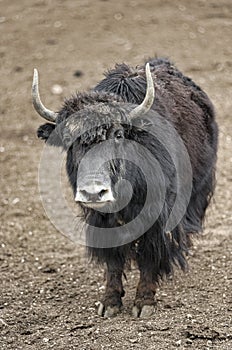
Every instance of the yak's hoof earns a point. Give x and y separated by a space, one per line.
144 312
108 311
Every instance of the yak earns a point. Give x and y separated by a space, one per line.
132 127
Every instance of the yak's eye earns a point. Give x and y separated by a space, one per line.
118 134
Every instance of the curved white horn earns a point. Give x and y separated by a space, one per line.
39 107
149 98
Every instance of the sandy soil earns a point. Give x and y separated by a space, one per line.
48 289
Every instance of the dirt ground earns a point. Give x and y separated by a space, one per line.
48 289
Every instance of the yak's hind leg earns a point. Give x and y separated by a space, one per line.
144 304
152 260
112 301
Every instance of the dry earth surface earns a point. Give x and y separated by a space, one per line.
48 288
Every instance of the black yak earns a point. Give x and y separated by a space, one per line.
130 111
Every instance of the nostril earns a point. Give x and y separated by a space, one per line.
81 195
84 192
102 192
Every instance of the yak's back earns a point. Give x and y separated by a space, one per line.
177 96
130 83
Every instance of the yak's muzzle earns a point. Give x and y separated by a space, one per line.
94 193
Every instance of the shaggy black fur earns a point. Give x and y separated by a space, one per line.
178 100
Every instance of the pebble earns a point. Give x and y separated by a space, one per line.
3 322
201 30
133 340
182 8
78 73
57 24
192 35
118 16
57 89
15 200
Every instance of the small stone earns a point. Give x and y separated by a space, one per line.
118 16
78 73
182 8
25 138
201 30
18 69
3 322
133 340
192 35
15 200
57 89
57 24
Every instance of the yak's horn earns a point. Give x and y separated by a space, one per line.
39 107
149 98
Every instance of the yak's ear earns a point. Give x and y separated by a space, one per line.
45 130
49 133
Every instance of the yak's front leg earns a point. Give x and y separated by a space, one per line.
112 301
145 302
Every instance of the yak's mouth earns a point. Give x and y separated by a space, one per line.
102 206
99 204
